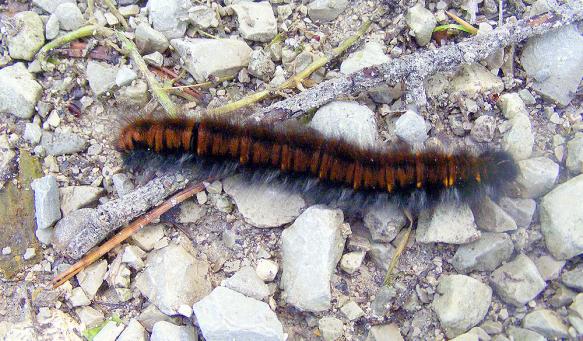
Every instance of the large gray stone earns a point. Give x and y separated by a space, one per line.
421 22
26 36
537 176
148 40
19 92
485 254
46 201
521 210
555 61
264 205
69 16
326 10
490 217
371 54
475 79
349 120
561 216
384 221
101 76
521 334
228 315
166 331
545 322
462 302
447 223
311 248
256 20
51 5
212 57
518 282
76 197
248 283
164 15
203 17
63 143
173 277
134 331
574 278
575 154
519 139
410 127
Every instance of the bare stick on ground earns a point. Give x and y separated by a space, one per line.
126 233
422 64
389 277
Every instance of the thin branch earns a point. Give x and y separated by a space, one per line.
422 64
110 5
295 80
469 28
155 87
125 233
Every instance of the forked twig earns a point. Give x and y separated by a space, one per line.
126 232
399 250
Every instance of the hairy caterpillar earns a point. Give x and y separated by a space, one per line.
414 179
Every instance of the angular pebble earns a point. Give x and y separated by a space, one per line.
228 315
575 154
47 210
50 5
331 328
63 143
352 121
537 176
326 10
421 22
266 269
202 60
384 332
109 332
521 334
19 92
173 277
351 261
148 236
548 267
574 278
447 223
70 16
475 79
163 16
134 331
555 61
76 197
101 76
28 37
411 128
461 303
247 283
166 331
203 17
91 278
485 254
148 40
519 139
352 311
521 210
371 54
561 214
384 221
311 248
264 205
518 282
490 217
256 20
545 322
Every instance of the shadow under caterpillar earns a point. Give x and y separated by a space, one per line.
415 180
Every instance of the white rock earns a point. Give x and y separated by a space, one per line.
575 154
266 269
155 58
29 253
125 76
50 5
475 79
371 54
384 332
352 311
6 250
561 214
384 220
19 92
46 201
53 120
536 177
28 36
411 128
422 22
256 20
133 332
149 40
447 223
78 298
203 17
173 277
490 217
350 120
264 205
228 315
91 278
151 315
166 331
521 210
247 283
519 140
164 14
133 255
101 76
524 334
462 302
555 61
185 310
109 332
548 267
311 247
351 261
547 323
485 254
331 328
518 282
75 197
511 105
90 317
212 57
326 10
148 236
70 16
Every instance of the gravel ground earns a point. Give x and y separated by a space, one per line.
254 261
